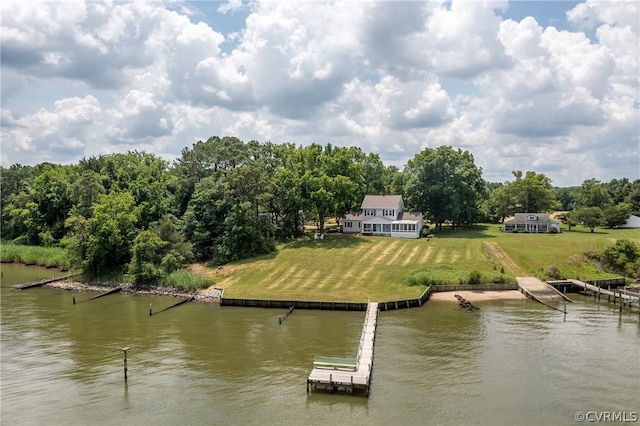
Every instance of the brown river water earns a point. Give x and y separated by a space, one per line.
513 362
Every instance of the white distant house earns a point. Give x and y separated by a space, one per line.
632 222
531 222
383 215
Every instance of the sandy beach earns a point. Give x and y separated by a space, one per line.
478 296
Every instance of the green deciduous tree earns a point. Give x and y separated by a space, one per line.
147 253
446 185
617 215
533 193
593 193
244 235
205 215
589 217
569 219
158 251
103 242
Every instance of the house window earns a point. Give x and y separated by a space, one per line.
348 224
368 212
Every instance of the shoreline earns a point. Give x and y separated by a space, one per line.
213 294
210 295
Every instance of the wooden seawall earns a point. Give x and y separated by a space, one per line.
333 306
345 374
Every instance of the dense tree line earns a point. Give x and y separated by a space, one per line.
224 199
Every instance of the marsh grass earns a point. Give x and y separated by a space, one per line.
50 257
186 280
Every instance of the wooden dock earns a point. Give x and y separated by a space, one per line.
348 374
541 291
624 297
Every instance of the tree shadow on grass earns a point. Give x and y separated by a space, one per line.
330 241
469 232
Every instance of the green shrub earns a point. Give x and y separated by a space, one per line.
496 278
621 253
553 272
475 277
435 275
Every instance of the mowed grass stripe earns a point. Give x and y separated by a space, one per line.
373 259
367 262
394 259
283 277
310 281
426 254
411 255
353 259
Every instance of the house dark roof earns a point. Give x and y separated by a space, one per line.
351 216
381 201
531 218
410 216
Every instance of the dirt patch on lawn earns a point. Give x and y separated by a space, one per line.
503 259
204 270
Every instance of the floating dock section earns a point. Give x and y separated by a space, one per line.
348 374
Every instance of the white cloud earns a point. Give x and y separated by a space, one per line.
85 78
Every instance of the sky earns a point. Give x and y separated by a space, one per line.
547 86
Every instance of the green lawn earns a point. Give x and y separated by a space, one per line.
537 252
354 268
348 268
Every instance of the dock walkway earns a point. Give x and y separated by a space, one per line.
348 374
542 292
626 297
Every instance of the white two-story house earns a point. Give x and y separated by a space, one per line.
383 215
